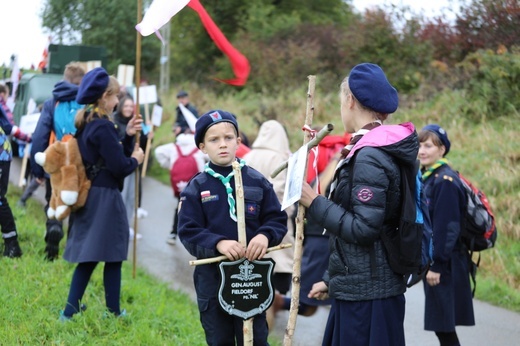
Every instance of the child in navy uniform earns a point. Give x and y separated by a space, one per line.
99 232
208 223
7 221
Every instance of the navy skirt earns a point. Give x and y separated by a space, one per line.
99 231
376 322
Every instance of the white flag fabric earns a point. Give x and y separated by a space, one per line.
158 14
191 119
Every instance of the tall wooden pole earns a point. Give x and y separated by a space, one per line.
138 134
242 239
298 241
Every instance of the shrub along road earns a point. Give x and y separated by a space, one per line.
170 264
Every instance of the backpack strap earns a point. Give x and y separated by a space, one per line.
180 152
92 169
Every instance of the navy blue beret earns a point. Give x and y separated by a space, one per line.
92 86
441 133
209 119
182 93
369 85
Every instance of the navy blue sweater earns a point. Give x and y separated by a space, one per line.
99 139
204 213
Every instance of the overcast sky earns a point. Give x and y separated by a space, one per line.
24 36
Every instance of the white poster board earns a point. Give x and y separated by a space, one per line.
28 122
157 115
31 106
147 94
125 75
295 172
90 65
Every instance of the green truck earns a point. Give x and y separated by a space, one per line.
38 86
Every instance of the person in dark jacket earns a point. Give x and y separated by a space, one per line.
208 224
99 232
124 113
368 303
447 284
64 91
7 222
181 125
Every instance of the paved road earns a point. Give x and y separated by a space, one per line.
495 326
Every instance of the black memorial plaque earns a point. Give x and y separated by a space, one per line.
246 288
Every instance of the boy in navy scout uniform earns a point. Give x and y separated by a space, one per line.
208 223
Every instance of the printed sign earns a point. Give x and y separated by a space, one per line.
147 94
90 65
28 122
294 183
246 288
157 115
125 75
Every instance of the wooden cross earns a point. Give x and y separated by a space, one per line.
242 239
298 241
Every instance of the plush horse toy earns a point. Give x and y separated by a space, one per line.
69 182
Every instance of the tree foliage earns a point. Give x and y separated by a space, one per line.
108 23
286 40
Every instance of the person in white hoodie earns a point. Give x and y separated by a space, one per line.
269 150
168 154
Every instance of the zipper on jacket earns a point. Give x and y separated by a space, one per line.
341 255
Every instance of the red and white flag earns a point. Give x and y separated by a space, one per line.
161 11
45 56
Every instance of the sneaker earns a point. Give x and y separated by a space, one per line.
141 213
64 318
52 239
21 204
12 248
138 236
122 314
172 239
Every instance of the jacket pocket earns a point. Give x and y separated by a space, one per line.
253 197
203 304
341 255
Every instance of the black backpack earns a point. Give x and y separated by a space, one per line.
409 247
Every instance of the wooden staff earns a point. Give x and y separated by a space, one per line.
326 130
223 257
138 134
26 153
242 238
298 241
247 328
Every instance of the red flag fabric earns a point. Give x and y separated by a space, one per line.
239 62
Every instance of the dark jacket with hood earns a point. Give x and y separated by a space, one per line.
63 92
355 216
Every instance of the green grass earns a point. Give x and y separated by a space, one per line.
33 291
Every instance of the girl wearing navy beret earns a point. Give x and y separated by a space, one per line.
99 231
447 286
367 296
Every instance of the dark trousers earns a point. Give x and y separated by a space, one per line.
221 328
6 215
48 192
29 190
80 279
175 221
